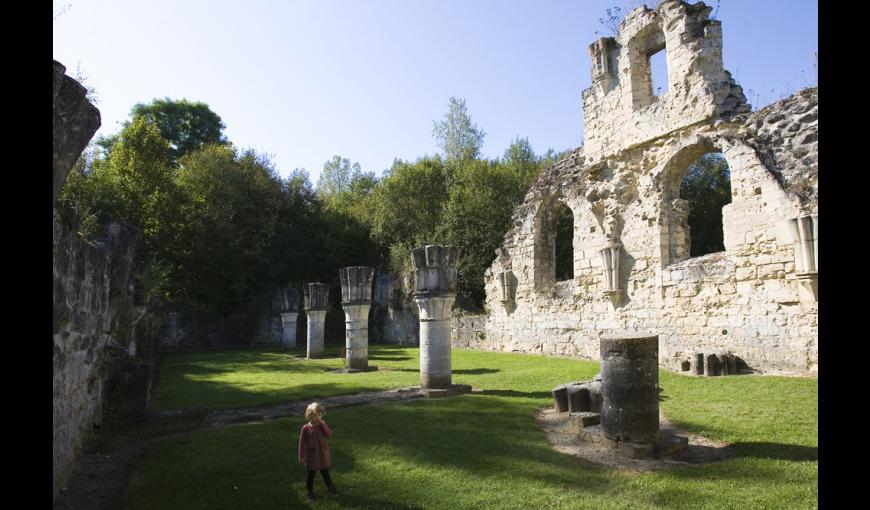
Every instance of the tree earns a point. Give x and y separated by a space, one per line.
477 215
707 188
131 185
186 125
456 135
229 216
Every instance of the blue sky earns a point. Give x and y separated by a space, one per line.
366 79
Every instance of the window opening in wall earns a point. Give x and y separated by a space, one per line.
658 63
564 243
706 187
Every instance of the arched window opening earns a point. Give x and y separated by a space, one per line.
554 244
704 190
564 243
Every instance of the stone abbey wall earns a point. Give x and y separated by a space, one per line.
103 334
756 299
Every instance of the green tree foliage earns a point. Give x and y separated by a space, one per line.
477 215
229 217
707 188
406 206
345 188
133 185
456 135
186 125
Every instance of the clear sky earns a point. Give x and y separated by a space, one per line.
366 79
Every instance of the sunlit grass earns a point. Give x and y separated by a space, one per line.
481 450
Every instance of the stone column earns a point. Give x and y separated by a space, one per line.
434 293
316 303
630 384
287 301
356 300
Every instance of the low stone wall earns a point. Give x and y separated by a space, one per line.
194 327
394 317
469 330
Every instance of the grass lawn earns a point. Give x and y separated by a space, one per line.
473 451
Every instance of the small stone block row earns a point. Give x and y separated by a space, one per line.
578 397
713 364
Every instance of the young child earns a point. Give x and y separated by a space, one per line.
313 448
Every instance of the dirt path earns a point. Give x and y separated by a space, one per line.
100 478
699 451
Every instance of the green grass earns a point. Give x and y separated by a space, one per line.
474 451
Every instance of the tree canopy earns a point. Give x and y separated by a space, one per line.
186 125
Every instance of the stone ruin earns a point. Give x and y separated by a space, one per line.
620 406
435 276
104 330
356 300
753 304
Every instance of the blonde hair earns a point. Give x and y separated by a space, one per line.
315 408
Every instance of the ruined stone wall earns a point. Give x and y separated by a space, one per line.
103 332
95 326
190 326
623 191
394 317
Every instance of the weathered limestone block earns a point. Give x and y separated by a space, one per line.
75 122
578 398
316 303
356 300
434 292
560 398
629 376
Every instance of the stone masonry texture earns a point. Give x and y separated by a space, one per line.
623 187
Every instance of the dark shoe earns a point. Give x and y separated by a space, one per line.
311 496
332 489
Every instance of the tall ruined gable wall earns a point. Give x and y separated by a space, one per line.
747 300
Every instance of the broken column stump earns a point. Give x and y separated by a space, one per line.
434 292
316 303
356 300
630 389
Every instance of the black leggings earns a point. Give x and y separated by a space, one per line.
309 483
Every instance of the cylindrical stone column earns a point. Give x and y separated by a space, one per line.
316 303
356 300
630 388
434 293
287 302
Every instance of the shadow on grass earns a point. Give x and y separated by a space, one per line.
778 451
477 371
485 438
381 357
519 394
